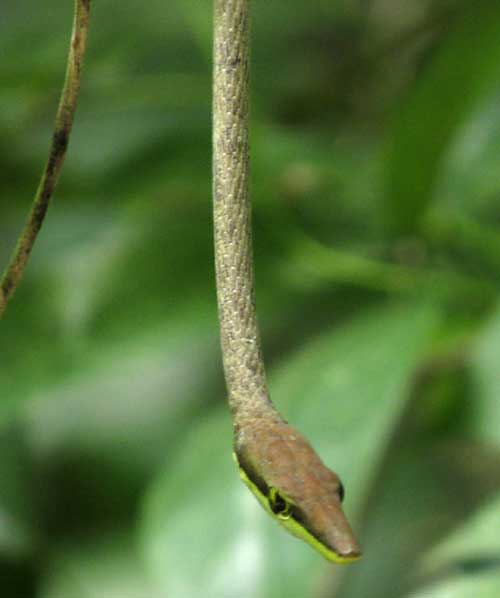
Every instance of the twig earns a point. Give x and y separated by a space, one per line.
62 129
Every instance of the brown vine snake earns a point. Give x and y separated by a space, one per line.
275 460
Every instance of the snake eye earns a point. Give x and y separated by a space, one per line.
279 505
341 491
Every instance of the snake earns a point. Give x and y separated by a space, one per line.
275 460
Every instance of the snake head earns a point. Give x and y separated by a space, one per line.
291 482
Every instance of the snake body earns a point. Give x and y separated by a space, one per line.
276 462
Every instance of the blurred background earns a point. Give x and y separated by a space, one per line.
376 186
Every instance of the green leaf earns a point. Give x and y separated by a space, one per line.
469 559
484 414
476 541
469 179
424 491
486 585
104 567
199 23
17 508
346 392
464 71
125 400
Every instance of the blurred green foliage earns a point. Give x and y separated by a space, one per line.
376 153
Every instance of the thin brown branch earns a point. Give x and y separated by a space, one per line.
64 120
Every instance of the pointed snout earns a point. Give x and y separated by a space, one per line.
340 539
